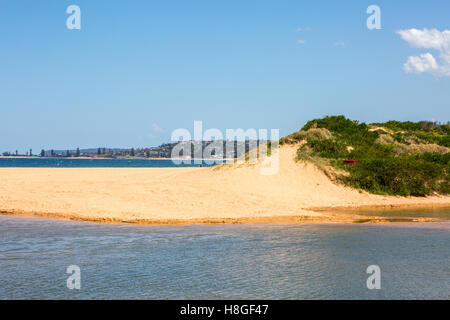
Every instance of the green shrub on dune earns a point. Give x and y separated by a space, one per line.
387 165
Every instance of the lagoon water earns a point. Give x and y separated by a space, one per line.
260 261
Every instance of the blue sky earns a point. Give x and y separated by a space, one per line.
139 69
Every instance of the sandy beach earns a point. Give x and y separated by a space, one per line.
299 192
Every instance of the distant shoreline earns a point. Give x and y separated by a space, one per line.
102 158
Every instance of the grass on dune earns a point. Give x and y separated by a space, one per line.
395 158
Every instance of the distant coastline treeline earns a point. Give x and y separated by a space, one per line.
161 151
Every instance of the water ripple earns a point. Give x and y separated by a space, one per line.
222 262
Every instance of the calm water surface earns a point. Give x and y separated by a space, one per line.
90 163
223 262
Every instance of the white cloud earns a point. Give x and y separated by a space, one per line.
428 39
301 41
156 128
339 43
303 29
423 63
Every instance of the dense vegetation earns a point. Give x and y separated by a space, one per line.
397 158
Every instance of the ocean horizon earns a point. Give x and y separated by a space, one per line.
96 163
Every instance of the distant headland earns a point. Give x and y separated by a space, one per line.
163 151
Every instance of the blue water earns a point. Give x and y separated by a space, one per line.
88 163
261 261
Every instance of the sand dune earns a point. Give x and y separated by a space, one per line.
173 195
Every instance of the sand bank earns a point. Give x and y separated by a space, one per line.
299 192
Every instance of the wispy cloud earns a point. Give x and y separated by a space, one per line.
303 29
155 130
301 41
339 43
426 62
